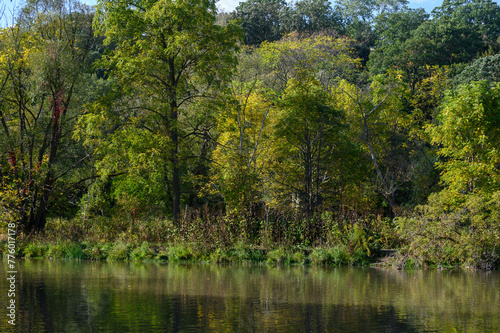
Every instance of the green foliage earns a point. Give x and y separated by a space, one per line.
366 10
458 31
484 68
181 252
140 155
277 256
242 153
297 154
358 15
286 256
384 233
118 251
468 134
142 252
239 253
167 56
449 234
356 237
269 20
308 134
66 250
48 250
335 256
35 250
309 16
320 56
380 124
260 20
480 18
391 48
75 251
9 206
45 57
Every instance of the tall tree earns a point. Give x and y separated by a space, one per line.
260 20
168 54
319 55
44 59
309 16
377 112
468 133
309 135
240 158
484 68
458 31
358 16
391 50
481 17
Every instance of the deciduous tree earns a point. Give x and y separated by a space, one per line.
468 135
168 54
44 58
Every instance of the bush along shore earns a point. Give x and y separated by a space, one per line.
317 241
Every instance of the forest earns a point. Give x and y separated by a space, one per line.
286 132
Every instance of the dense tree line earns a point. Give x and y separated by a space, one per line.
152 109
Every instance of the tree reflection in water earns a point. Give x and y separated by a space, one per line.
116 297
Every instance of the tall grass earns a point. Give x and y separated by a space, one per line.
205 236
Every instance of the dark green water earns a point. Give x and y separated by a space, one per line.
73 296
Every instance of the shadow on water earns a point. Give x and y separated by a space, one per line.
78 296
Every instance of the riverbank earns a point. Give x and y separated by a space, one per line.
348 243
338 255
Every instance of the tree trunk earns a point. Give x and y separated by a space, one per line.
388 191
174 161
174 141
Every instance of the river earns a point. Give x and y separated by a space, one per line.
80 296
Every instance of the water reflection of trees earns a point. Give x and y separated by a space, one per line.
94 297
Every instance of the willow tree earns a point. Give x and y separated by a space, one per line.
166 54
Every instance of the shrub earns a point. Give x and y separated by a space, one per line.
35 250
119 251
464 233
336 256
277 256
180 253
74 251
142 252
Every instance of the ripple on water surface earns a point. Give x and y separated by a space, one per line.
75 296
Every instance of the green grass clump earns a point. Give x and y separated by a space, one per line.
336 256
181 253
221 256
74 251
277 256
119 251
285 256
238 253
142 252
34 250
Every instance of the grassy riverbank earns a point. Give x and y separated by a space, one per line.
338 244
318 241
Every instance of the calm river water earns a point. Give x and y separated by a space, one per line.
76 296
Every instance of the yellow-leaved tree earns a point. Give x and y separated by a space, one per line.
381 124
460 224
44 57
